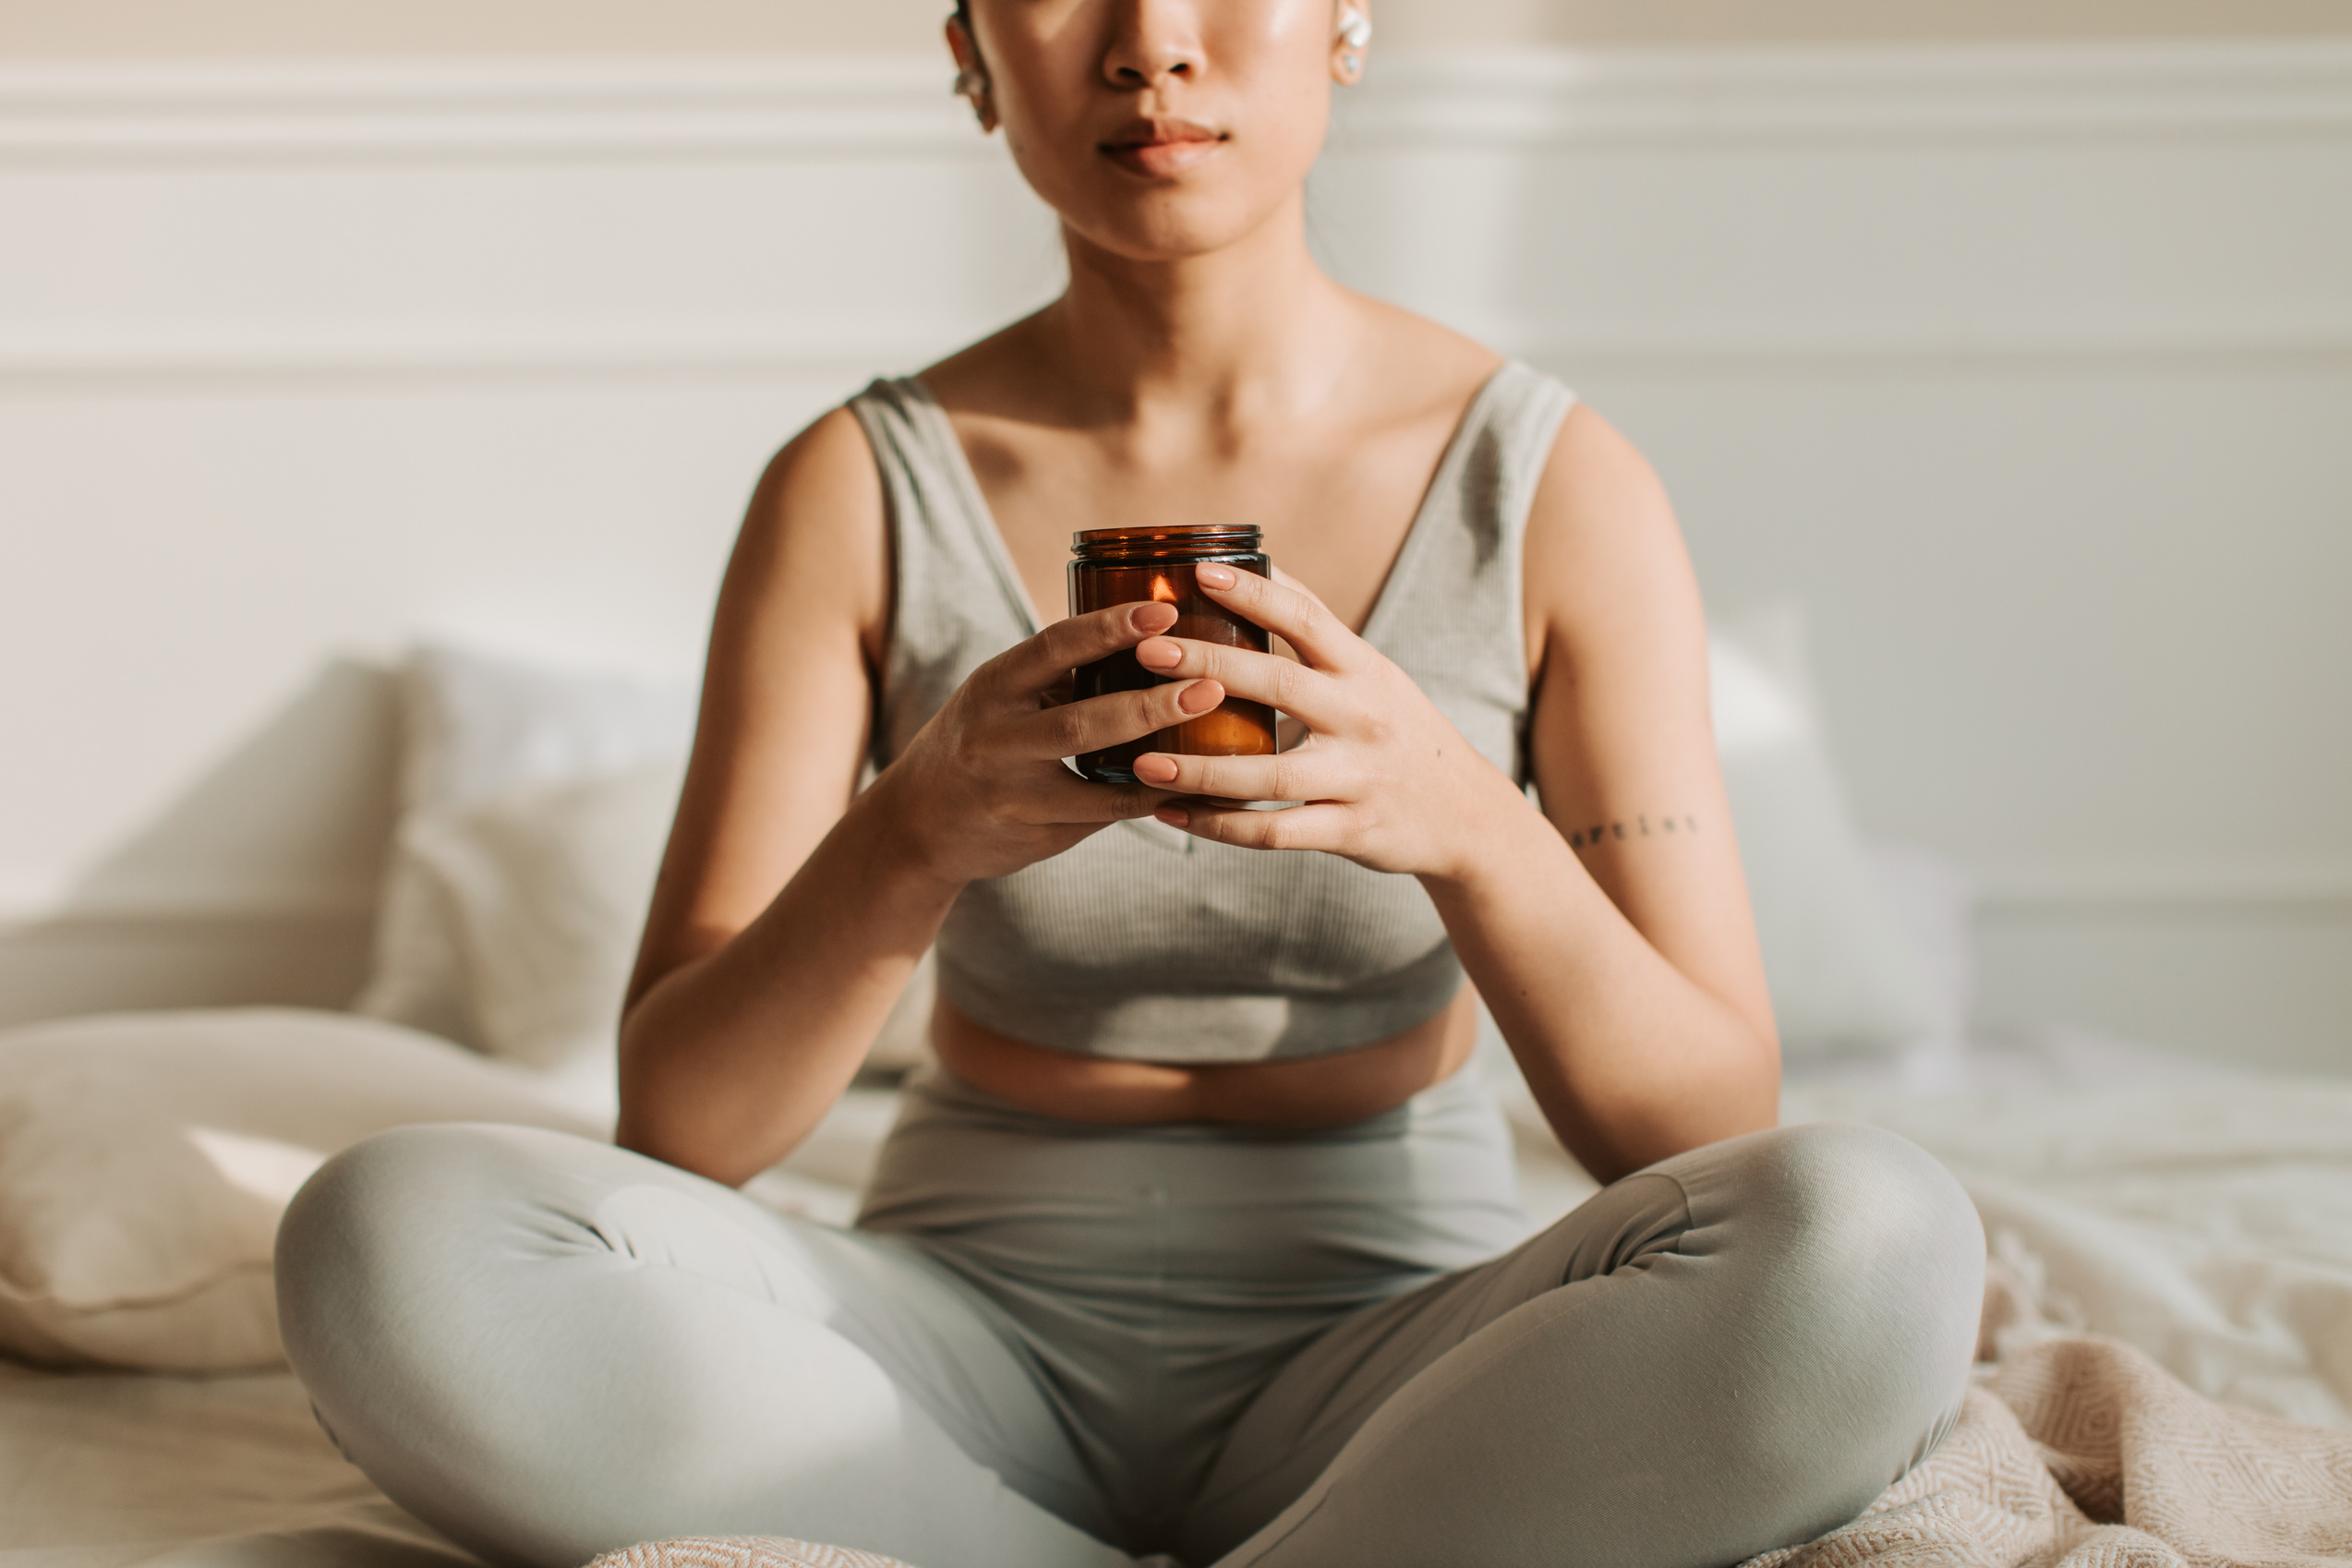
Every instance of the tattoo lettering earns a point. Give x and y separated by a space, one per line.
1643 827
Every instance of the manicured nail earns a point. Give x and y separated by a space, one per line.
1200 697
1210 575
1159 654
1154 768
1149 610
1174 816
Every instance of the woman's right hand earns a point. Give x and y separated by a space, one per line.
981 790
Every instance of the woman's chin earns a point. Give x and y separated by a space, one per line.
1169 224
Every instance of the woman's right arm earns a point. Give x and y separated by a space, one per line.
790 909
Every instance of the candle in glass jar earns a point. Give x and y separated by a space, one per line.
1127 565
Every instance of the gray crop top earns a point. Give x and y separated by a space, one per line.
1143 943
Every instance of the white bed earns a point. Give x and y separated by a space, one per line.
2201 1213
2205 1215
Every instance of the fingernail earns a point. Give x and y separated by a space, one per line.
1215 576
1155 769
1150 609
1200 697
1159 654
1174 816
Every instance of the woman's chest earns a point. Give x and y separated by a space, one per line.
1335 520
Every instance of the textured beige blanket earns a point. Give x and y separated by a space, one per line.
2079 1452
2084 1453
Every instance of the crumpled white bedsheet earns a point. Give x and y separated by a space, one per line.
2203 1216
2208 1223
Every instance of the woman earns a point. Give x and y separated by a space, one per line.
1199 1240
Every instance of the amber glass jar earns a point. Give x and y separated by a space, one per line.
1127 565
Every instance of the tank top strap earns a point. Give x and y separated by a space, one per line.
1453 614
956 599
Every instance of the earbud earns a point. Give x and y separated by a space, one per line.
1355 31
970 82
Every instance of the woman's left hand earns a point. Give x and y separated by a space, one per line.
1385 777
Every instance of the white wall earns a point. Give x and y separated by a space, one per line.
2026 368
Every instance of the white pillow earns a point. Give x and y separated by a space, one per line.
1844 972
548 889
145 1159
475 726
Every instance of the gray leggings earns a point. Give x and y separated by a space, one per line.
1053 1345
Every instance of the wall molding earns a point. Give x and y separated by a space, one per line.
2123 891
172 351
1527 99
323 110
1864 95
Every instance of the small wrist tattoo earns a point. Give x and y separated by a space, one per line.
1679 825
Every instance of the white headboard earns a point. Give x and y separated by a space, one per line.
2027 370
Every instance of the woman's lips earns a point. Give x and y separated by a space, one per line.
1158 149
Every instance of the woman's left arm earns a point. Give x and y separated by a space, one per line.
1610 934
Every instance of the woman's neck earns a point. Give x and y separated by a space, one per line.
1250 331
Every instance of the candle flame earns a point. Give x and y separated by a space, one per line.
1162 591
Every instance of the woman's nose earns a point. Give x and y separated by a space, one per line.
1151 39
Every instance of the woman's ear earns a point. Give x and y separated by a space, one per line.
1351 34
972 76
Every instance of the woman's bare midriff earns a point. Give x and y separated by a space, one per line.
1332 1091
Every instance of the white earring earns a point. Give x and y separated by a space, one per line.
970 82
1355 31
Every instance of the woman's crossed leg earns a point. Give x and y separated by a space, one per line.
1735 1350
548 1347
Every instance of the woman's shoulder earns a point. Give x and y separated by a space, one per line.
814 535
1603 552
827 466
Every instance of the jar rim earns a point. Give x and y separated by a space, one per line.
1184 532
